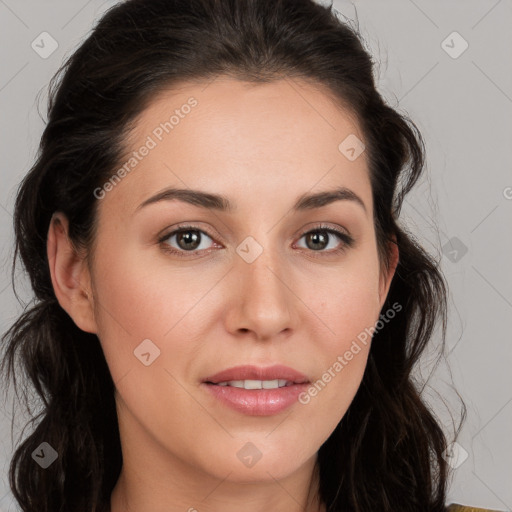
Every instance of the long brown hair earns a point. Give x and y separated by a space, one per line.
386 453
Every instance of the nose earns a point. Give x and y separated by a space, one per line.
261 301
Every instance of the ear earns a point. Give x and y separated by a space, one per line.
388 273
70 275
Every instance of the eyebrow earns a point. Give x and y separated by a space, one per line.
223 204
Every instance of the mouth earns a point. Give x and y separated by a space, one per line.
255 384
248 375
257 391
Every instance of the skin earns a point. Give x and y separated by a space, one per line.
261 146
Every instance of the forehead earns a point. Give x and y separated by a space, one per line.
285 106
229 135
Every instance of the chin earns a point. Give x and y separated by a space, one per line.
252 462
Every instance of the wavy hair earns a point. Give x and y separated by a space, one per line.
386 453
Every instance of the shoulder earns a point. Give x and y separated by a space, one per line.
456 507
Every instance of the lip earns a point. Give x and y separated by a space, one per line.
250 372
257 402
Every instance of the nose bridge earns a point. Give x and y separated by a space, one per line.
264 274
264 301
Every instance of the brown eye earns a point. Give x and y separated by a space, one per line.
188 240
318 240
185 239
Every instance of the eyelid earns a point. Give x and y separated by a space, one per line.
183 227
346 239
342 234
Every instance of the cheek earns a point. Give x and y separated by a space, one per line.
353 307
140 298
344 357
345 300
347 309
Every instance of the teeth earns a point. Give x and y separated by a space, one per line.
255 384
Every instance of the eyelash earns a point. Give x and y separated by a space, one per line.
347 240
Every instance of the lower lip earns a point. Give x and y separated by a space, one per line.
257 402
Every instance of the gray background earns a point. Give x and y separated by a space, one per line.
462 212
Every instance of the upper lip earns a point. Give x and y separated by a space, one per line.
251 372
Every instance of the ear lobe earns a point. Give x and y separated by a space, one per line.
387 275
70 275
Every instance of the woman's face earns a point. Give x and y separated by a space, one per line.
245 285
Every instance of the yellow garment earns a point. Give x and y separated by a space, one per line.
456 507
